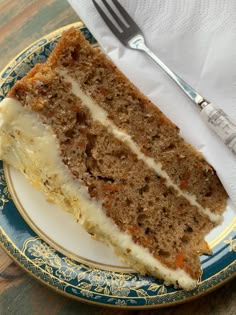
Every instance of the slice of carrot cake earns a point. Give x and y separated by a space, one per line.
83 134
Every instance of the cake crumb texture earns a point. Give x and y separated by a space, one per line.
136 199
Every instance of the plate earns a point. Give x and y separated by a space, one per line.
51 246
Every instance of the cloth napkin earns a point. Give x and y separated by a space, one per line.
196 39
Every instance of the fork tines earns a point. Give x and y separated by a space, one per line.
124 28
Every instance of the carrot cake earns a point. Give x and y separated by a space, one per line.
83 134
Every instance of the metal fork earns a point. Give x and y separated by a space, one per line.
131 36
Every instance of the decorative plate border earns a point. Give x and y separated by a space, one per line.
78 280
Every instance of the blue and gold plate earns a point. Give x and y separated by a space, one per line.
51 246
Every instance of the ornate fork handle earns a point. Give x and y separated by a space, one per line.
216 118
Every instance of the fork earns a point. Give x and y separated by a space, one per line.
130 35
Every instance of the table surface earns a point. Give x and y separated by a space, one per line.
21 23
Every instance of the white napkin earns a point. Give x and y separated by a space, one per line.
195 38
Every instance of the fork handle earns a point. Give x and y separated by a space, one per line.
138 43
220 123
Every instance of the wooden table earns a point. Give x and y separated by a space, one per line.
21 23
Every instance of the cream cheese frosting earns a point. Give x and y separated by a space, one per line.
24 137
